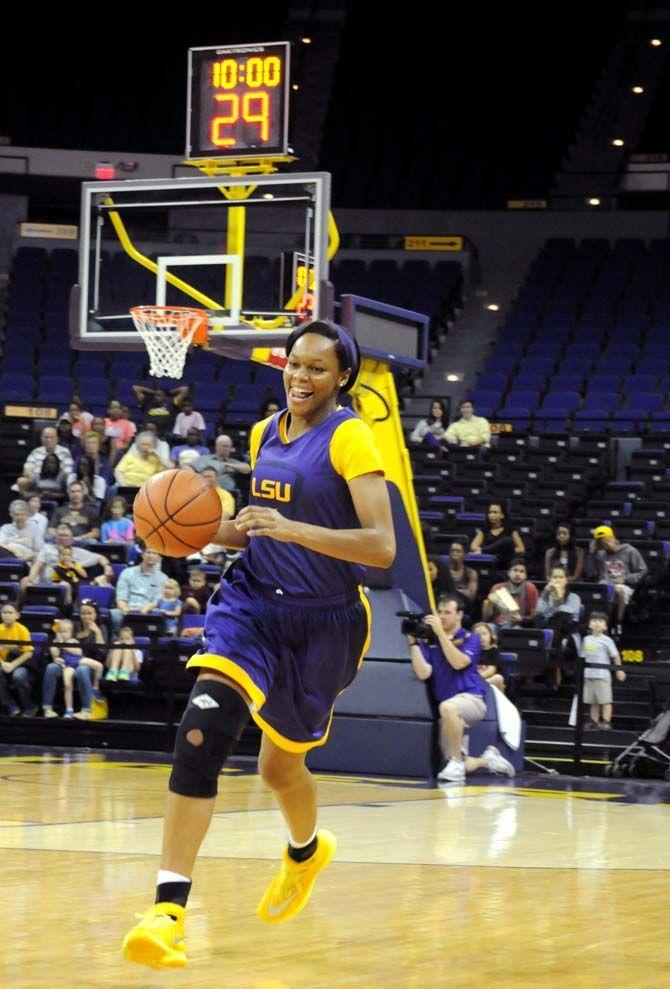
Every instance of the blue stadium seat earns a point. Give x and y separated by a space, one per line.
620 366
17 387
523 399
639 383
560 402
605 401
537 365
645 402
603 383
492 382
528 382
567 382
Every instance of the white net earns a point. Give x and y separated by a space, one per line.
167 334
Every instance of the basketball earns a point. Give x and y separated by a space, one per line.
176 513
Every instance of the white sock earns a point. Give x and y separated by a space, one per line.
165 876
301 844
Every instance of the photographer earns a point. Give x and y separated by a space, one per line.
459 690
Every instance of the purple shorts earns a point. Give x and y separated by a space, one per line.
292 657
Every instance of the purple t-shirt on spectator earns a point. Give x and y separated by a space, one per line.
447 682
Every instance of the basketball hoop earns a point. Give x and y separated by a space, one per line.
168 332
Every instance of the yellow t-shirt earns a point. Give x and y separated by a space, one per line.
227 501
15 631
465 431
136 470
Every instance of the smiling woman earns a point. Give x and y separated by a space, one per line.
285 633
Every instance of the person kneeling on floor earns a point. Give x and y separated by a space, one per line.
451 664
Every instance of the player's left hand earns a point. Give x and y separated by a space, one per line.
257 521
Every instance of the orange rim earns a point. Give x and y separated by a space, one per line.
182 318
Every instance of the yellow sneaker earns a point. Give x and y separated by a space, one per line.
158 940
291 888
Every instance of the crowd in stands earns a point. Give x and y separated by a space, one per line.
70 528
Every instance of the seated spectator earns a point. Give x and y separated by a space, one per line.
599 648
36 516
187 419
42 569
226 466
82 518
94 484
67 573
565 553
469 430
161 447
489 657
51 481
617 564
210 476
432 429
465 580
118 528
186 453
106 445
32 468
91 635
119 429
93 450
559 609
269 408
440 578
66 437
69 662
15 664
499 538
159 406
19 538
459 691
80 420
169 605
139 589
514 601
196 593
135 468
124 660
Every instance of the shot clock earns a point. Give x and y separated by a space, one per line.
238 101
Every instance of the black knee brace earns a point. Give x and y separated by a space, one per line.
213 721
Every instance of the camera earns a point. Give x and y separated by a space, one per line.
413 624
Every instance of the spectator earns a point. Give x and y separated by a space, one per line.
186 453
161 447
68 661
210 476
433 429
160 407
187 419
118 528
42 569
90 634
559 609
139 589
94 484
124 660
93 450
106 446
169 605
469 430
83 519
19 538
135 468
440 577
15 663
597 647
617 564
66 437
119 429
36 516
196 593
67 573
514 601
465 580
499 538
81 421
489 657
269 407
50 482
565 553
459 691
35 459
225 465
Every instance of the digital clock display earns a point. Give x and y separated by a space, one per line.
238 101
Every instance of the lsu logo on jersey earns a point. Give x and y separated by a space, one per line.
275 490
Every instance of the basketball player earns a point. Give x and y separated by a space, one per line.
285 633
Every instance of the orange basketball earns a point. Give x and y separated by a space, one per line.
175 513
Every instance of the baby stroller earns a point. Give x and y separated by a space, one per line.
649 755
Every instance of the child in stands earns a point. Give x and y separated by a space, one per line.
124 659
597 647
170 606
489 657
